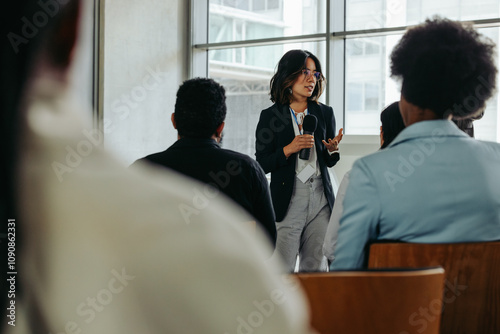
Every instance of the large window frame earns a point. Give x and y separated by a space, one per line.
335 37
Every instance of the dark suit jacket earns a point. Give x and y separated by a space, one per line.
236 175
275 131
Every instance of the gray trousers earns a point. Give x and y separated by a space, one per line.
302 231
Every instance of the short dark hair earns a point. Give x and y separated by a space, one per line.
467 124
290 67
200 108
445 66
392 123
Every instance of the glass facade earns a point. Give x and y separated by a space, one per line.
373 14
241 20
360 71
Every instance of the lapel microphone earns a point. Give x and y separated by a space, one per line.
308 126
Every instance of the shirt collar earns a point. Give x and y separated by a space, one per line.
198 142
428 129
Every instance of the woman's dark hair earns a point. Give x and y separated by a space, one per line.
289 69
466 125
445 66
200 108
24 27
392 123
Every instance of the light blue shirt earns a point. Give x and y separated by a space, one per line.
433 184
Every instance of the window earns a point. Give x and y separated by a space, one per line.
247 38
372 14
366 68
266 18
246 70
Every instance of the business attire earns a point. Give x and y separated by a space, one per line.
237 175
307 203
432 184
107 249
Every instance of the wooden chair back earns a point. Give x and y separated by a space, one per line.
471 301
375 302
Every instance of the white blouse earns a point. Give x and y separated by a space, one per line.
313 160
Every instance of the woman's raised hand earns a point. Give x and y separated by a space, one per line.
333 144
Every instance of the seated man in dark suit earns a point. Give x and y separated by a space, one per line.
200 111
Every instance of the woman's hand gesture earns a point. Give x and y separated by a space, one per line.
333 144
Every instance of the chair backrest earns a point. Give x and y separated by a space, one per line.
471 301
375 302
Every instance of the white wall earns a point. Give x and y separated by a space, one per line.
145 61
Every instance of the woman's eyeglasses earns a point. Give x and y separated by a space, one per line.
307 72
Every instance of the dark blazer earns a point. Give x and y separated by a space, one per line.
275 131
235 174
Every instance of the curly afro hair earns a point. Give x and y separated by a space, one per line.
200 108
445 66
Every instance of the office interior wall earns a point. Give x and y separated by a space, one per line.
144 62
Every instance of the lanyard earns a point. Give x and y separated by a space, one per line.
296 121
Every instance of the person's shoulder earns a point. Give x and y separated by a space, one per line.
242 159
237 156
140 161
486 143
271 109
158 158
489 149
325 107
378 160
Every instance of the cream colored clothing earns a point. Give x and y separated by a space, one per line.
113 250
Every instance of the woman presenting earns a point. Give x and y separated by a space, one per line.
301 190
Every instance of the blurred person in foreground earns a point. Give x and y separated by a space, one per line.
200 111
106 249
392 125
433 183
